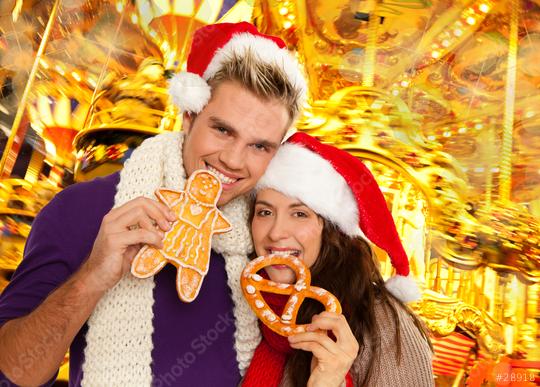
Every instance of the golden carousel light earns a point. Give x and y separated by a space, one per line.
170 23
465 130
57 115
454 28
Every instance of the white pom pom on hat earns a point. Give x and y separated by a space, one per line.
189 92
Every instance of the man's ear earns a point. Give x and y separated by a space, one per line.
187 121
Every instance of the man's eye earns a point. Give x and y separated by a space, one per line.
221 129
260 147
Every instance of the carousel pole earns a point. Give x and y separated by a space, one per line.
449 291
10 154
368 75
489 175
505 176
103 72
480 297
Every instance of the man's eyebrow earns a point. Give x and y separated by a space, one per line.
268 144
219 122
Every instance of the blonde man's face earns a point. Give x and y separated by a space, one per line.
235 136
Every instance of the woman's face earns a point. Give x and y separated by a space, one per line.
284 225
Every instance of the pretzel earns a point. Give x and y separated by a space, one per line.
253 284
187 244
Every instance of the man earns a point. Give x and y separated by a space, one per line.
73 289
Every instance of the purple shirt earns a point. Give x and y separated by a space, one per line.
193 342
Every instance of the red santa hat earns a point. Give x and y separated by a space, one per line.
213 45
340 188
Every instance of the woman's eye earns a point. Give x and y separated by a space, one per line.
300 214
263 213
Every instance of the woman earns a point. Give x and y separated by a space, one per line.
321 204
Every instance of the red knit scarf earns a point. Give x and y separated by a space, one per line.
268 363
266 367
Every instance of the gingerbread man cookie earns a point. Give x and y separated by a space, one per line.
253 284
187 244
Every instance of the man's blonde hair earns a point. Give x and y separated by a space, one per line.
267 81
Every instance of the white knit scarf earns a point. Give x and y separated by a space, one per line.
119 339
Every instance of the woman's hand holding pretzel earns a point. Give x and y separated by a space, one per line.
331 359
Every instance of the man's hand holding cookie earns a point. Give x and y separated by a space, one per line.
123 231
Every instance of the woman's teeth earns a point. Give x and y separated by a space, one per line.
296 253
224 179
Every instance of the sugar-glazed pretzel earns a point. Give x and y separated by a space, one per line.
252 285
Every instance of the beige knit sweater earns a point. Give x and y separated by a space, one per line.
414 368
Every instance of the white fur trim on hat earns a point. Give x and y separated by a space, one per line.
267 51
189 92
403 288
300 173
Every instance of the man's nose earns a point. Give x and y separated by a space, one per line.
233 156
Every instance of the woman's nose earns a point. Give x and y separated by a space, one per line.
279 229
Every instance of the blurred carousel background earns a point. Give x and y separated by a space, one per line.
440 98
